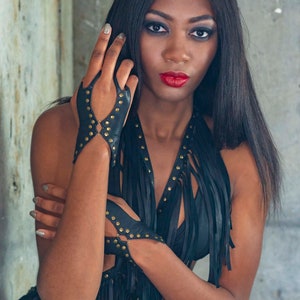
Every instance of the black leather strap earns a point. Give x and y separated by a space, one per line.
111 126
127 227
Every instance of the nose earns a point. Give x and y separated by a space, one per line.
176 50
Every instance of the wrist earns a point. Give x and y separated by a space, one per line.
96 150
145 251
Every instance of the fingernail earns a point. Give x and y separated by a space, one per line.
40 233
106 28
121 36
33 214
45 187
35 200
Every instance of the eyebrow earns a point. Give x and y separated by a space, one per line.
192 20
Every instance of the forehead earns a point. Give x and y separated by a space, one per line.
183 8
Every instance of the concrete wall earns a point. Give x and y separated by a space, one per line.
35 62
35 68
274 51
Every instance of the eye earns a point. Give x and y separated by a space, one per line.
155 27
202 33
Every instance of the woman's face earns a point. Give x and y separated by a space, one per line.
178 44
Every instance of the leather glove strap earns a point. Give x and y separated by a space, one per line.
111 126
127 227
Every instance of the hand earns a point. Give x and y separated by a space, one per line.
110 230
102 102
48 212
122 224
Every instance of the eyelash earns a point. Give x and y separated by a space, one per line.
195 33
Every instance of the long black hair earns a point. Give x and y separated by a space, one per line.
226 94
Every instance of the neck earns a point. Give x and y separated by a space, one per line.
164 120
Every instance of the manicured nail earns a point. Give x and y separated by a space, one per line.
33 214
45 187
40 233
106 28
121 36
35 200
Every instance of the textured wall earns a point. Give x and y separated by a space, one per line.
274 51
34 56
89 17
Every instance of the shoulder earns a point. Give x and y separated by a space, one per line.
55 118
55 126
52 145
242 171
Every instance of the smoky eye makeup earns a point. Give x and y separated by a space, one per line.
155 27
202 32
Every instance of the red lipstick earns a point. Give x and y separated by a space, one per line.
174 79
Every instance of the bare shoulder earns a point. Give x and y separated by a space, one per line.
242 170
52 146
56 118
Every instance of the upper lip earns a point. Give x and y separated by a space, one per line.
175 74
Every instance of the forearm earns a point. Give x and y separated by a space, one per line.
72 266
170 275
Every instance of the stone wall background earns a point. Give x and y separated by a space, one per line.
36 66
38 62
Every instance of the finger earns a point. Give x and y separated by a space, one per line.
111 57
49 205
98 54
123 72
45 219
132 83
46 234
55 191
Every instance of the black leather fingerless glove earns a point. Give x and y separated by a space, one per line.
111 126
127 227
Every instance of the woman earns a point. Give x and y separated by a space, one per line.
193 172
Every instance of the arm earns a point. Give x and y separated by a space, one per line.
175 281
248 221
71 264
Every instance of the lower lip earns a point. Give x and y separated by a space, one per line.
173 81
